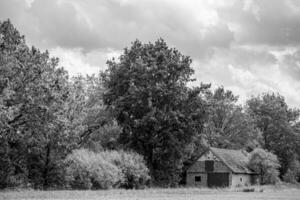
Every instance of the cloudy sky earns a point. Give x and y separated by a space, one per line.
249 46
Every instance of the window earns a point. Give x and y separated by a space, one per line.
241 179
197 178
209 166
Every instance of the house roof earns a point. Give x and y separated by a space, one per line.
236 160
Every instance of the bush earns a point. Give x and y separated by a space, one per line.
132 165
266 164
88 170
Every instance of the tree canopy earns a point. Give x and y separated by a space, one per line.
148 94
278 124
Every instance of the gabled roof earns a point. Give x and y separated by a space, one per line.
236 160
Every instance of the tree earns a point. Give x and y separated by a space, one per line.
148 95
227 125
87 115
277 122
293 173
266 164
34 134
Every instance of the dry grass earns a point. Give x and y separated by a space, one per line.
269 192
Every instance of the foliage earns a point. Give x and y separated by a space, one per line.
86 111
277 122
88 170
227 125
104 138
148 95
132 165
265 164
293 173
33 91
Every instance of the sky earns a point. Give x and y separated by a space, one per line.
249 47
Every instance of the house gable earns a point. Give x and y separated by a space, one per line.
208 155
201 165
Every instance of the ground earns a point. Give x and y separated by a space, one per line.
158 194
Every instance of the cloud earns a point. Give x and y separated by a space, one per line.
260 72
259 22
76 61
291 65
115 24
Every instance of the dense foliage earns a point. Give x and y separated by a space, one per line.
278 124
88 170
148 94
227 125
34 93
265 164
142 103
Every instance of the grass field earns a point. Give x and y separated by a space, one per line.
157 194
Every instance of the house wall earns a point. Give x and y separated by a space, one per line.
241 180
198 169
190 179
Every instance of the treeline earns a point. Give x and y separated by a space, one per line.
138 120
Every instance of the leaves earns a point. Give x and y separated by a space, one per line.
149 97
277 124
227 125
265 164
33 97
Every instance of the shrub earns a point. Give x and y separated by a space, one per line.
88 170
266 164
133 167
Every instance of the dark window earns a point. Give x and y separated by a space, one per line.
241 179
197 178
209 165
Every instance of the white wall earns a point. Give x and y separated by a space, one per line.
241 180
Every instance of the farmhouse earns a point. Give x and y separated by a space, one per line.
221 168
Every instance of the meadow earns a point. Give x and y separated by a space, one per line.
268 193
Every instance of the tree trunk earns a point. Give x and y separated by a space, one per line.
46 167
150 163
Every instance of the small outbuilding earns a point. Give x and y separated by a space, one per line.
221 168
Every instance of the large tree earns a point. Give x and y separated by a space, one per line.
277 123
34 135
227 125
148 94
